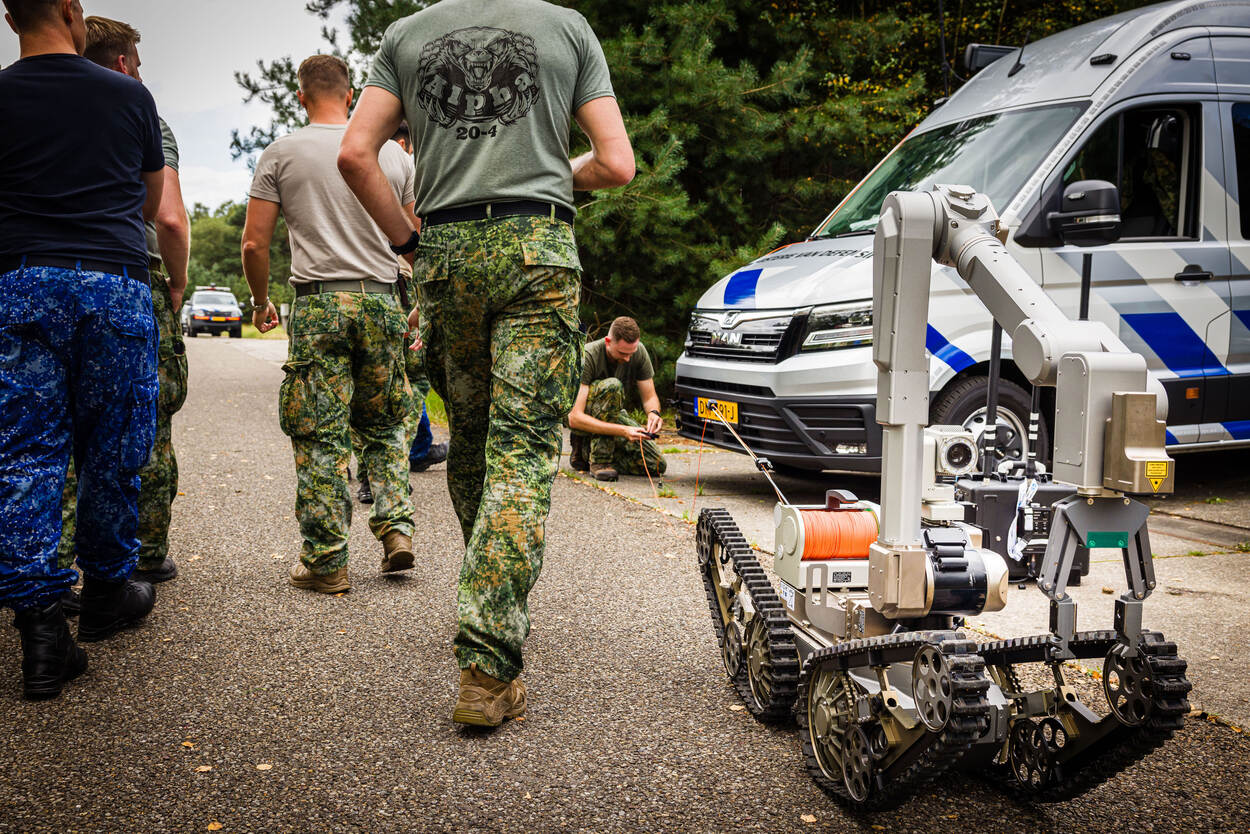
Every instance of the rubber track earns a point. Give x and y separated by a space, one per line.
933 753
716 525
1122 747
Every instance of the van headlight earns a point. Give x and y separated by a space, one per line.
835 326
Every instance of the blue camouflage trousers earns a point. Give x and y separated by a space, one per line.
77 377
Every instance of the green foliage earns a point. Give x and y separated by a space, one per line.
215 255
750 122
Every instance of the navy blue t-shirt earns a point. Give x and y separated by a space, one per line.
74 141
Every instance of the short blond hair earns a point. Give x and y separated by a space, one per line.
324 74
624 329
107 39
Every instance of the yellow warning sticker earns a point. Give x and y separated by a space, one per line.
1156 483
1156 469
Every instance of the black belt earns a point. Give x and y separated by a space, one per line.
368 285
485 211
138 273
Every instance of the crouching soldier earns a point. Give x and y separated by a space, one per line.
616 370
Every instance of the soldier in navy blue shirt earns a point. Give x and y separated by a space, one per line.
81 168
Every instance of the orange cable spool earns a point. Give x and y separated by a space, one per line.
837 535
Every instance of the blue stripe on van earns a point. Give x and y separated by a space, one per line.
1183 351
1239 429
741 287
1170 438
944 350
1244 315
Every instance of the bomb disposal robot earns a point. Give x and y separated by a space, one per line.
861 640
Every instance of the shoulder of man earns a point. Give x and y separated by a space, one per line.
169 144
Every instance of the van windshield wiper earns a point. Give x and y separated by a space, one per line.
845 234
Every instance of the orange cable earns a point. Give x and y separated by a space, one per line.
654 491
838 534
698 464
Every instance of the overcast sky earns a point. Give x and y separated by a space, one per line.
189 53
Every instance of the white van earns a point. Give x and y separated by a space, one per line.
1155 101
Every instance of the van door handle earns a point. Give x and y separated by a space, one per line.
1193 272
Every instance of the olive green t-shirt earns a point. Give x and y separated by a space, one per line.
597 365
169 145
489 88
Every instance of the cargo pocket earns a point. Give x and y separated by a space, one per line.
551 247
172 372
397 399
297 399
536 371
140 433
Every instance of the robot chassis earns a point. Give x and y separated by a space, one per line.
867 652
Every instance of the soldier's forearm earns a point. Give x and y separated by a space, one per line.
174 244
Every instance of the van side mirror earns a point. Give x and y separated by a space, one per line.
1089 214
978 56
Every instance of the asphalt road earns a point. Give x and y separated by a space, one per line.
245 705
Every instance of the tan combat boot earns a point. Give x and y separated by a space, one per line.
328 583
396 552
603 471
485 701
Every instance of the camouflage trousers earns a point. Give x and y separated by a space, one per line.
499 320
344 373
158 481
606 402
414 369
77 377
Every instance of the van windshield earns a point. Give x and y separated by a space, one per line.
992 154
214 298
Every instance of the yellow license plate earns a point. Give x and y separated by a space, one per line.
219 318
706 408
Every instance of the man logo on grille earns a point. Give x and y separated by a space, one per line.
478 74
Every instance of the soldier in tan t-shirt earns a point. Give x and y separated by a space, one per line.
346 363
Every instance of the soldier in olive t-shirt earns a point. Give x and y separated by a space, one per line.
616 375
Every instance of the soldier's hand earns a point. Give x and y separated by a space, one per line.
266 319
175 296
654 423
417 344
414 318
634 434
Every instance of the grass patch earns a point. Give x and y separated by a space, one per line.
250 332
666 491
1196 553
1216 500
435 409
1242 547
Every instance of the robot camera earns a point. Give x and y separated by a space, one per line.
955 450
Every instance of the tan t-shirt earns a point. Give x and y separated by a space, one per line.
332 238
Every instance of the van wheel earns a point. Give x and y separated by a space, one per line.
963 404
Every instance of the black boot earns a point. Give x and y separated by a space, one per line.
108 607
163 572
579 457
365 494
71 602
50 657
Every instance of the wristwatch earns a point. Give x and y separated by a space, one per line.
409 246
259 305
655 412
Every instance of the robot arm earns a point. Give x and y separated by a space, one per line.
1102 387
